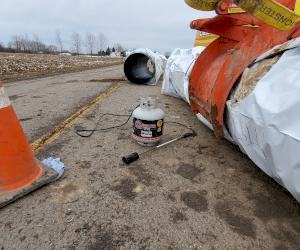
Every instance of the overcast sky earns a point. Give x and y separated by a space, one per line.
157 24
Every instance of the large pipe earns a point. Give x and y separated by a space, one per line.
143 66
139 68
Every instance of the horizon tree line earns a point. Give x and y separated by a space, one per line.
93 44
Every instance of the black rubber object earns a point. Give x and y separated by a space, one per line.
136 69
130 158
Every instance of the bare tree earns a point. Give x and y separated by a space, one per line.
90 41
10 45
36 45
59 40
19 43
52 49
16 42
118 47
25 44
76 43
22 43
102 42
2 47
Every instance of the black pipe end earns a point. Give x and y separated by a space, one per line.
128 159
136 68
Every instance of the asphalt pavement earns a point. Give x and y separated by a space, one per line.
199 193
45 102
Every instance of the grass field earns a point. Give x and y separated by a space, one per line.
22 66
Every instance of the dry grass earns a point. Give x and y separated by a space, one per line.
21 66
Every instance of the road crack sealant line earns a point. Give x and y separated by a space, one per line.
48 138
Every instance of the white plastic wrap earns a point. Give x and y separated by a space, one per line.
56 165
158 60
266 125
265 122
178 70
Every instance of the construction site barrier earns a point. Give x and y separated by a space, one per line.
20 172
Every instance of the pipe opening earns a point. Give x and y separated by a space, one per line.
139 68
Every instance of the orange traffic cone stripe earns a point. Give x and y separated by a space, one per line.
18 167
20 172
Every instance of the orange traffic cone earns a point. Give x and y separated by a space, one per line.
20 172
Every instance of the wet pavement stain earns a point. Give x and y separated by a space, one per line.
84 164
123 136
296 227
188 171
177 216
85 228
238 223
195 200
201 148
142 175
69 188
286 236
215 153
171 197
107 239
22 238
282 247
268 207
173 247
126 189
208 237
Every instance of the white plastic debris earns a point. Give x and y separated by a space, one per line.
266 123
143 66
178 71
263 121
56 165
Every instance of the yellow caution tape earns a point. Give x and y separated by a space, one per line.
271 12
235 10
268 11
205 5
297 7
204 39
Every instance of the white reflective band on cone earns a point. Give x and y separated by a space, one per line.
4 101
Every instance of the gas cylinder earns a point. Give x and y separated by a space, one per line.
148 122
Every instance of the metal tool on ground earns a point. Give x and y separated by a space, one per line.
128 159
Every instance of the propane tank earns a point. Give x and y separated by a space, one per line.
148 122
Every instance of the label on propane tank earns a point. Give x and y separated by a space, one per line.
148 129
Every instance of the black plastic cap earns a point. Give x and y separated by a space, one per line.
130 158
